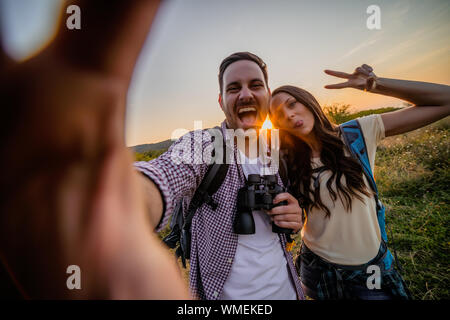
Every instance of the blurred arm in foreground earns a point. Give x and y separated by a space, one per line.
69 194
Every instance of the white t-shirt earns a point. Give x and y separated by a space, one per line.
260 270
347 238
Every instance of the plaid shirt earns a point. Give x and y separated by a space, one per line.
330 281
213 242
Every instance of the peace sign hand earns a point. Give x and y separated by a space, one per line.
358 79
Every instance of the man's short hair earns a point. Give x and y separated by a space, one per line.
241 56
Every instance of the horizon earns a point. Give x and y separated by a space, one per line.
178 66
264 124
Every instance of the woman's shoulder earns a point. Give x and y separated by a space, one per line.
372 127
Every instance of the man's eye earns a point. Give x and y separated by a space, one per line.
257 85
232 89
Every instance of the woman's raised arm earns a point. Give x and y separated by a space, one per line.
435 97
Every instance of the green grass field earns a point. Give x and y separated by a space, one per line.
413 175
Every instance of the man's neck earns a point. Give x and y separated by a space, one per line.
248 142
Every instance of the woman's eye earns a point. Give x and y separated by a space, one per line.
291 105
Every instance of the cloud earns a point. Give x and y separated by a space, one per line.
409 46
377 35
424 60
365 44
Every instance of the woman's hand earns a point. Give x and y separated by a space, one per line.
360 79
288 216
433 99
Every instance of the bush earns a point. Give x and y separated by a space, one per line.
339 113
148 155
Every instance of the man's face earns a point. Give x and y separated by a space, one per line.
245 98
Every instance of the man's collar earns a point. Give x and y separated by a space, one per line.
225 130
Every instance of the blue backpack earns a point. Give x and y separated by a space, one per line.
354 139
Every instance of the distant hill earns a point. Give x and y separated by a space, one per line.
338 113
163 145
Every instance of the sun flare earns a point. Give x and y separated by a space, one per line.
267 124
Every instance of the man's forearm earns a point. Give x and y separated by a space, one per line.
153 200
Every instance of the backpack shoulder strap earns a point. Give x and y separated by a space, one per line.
354 139
282 170
213 179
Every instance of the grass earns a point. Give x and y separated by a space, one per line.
413 176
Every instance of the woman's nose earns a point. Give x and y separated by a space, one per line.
290 115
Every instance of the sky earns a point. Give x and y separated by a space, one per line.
175 79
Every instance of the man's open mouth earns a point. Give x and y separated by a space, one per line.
247 115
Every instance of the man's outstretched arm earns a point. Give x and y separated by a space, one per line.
69 194
153 199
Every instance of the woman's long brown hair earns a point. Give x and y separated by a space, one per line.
298 157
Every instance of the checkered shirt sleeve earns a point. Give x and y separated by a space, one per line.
178 172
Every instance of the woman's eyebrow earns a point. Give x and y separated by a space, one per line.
280 104
287 100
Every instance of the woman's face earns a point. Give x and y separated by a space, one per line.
289 114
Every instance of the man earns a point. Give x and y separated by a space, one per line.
225 265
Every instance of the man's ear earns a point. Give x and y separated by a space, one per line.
220 101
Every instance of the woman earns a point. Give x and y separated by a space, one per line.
341 235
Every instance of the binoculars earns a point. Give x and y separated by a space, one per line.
257 194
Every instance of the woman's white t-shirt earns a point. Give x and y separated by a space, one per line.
347 238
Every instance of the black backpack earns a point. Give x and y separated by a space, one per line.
180 225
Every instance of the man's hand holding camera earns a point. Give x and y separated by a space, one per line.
287 216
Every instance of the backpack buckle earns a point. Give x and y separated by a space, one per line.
379 204
210 201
